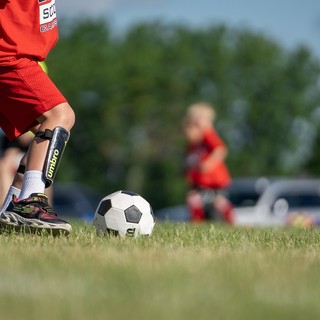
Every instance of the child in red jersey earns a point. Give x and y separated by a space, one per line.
29 101
206 170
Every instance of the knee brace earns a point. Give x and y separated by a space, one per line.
58 139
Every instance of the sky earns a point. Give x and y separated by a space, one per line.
290 22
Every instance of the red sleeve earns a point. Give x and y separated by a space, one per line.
212 139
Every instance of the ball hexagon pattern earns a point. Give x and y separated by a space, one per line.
124 213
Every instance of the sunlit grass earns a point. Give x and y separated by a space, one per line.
182 272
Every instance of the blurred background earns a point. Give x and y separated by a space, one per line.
130 68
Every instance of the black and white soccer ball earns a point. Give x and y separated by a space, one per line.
124 213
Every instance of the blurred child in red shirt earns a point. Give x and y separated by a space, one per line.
206 171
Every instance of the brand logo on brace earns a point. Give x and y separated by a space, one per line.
53 163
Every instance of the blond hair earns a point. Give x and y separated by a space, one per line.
201 111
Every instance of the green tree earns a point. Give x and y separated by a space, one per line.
130 92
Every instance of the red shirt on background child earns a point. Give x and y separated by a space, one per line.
218 176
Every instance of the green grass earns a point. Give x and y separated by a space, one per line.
182 272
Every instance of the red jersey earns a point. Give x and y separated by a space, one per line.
28 29
218 177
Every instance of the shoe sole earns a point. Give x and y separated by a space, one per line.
13 222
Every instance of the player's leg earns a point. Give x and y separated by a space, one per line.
224 208
12 167
215 206
7 170
49 108
41 215
195 206
15 183
54 128
7 189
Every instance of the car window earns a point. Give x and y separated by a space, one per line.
243 199
301 200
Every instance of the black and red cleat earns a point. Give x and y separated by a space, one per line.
33 214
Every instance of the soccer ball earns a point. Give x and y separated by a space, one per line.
124 213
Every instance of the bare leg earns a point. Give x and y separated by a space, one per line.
8 166
62 115
224 208
39 215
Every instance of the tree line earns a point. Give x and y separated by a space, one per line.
130 91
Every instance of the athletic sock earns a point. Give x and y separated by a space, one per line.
12 191
33 182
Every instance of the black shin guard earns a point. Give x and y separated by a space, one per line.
58 140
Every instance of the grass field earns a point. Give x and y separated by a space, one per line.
182 272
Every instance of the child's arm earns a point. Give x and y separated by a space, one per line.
217 156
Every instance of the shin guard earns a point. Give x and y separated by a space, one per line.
58 139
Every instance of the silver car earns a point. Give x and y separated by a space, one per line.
284 202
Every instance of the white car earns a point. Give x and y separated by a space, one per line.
284 202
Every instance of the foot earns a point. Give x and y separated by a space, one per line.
34 215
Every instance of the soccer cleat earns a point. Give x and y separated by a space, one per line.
34 215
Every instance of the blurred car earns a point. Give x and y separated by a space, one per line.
242 192
246 191
75 201
284 202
